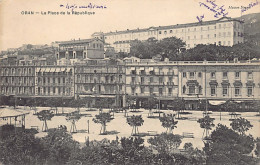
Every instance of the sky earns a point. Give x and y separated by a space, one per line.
17 28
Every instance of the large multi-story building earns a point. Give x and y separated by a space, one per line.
17 80
166 80
54 81
100 79
224 31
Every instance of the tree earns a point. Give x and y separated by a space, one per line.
167 48
241 125
165 143
78 103
22 148
135 122
206 123
150 103
45 115
73 117
54 103
168 122
103 119
60 146
104 102
228 147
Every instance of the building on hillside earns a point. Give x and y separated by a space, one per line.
100 79
81 49
224 31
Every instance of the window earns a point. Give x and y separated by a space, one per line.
165 32
53 90
219 26
199 74
142 89
133 79
151 79
184 74
237 74
170 79
192 74
215 35
234 34
160 32
169 91
184 89
194 37
133 91
200 90
249 91
188 37
250 75
201 28
213 74
224 74
53 80
170 31
160 80
160 91
151 90
194 29
224 91
237 91
219 43
213 90
142 80
191 89
201 36
208 35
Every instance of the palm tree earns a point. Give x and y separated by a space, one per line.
103 119
45 115
168 122
135 122
73 117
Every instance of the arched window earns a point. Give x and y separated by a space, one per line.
184 89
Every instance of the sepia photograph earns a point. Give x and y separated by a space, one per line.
127 82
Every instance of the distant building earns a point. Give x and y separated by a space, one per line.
224 31
81 49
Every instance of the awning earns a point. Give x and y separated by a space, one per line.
38 69
68 70
141 68
11 113
132 68
150 68
62 69
52 69
47 70
216 102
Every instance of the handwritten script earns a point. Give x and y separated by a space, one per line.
252 4
88 6
218 11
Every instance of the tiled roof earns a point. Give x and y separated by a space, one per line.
81 41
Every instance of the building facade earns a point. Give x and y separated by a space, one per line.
192 81
81 49
224 31
101 79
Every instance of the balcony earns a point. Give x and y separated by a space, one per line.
170 83
170 73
